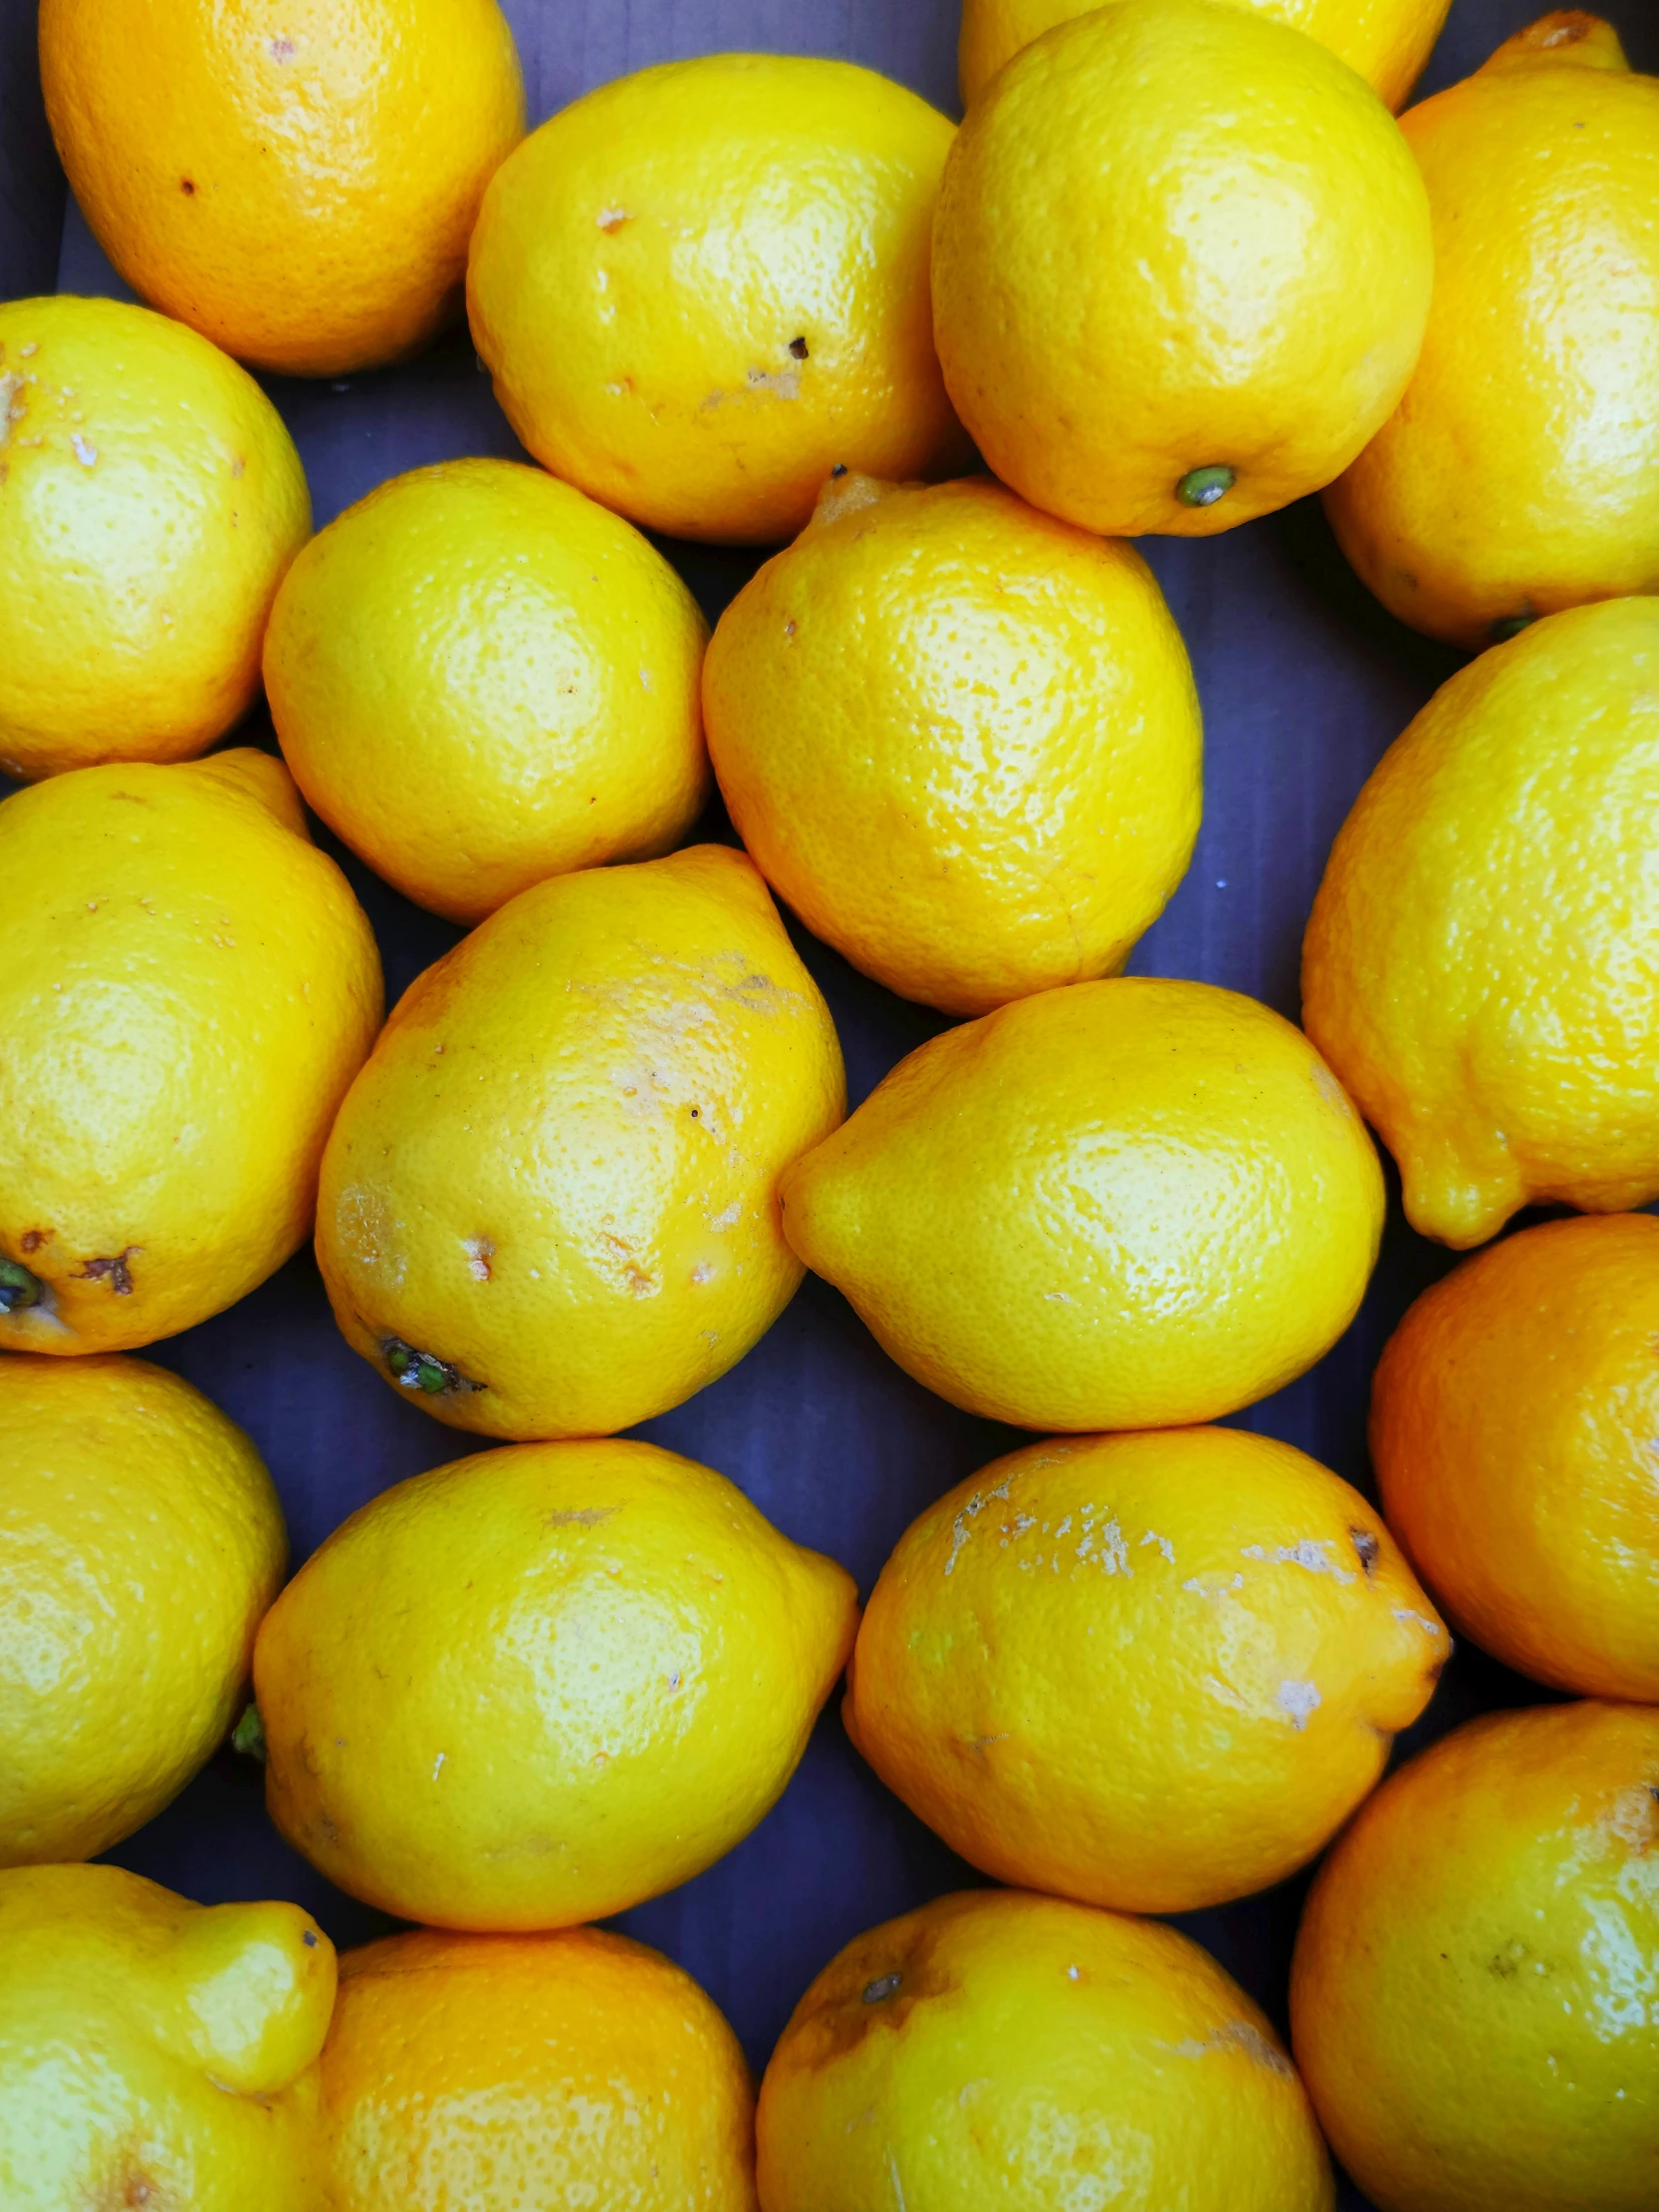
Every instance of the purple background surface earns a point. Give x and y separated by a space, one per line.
1303 680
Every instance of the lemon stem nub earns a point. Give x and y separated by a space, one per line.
1202 487
1512 625
18 1287
247 1736
423 1371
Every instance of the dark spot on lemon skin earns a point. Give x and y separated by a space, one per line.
1367 1548
187 188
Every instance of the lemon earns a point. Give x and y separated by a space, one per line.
186 987
156 2054
1154 1671
999 2048
549 1204
480 677
960 738
150 501
1125 1205
1387 41
1520 472
703 286
1180 270
1471 1992
140 1543
537 1686
495 2074
296 178
1480 963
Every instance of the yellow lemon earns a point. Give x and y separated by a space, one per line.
1126 1204
1387 41
1000 2048
1513 1429
480 679
1154 1671
549 1205
140 1543
156 2054
294 178
536 1686
1180 269
1481 967
186 987
960 738
150 501
493 2074
701 287
1472 1996
1520 472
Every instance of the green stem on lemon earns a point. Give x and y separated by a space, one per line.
18 1287
1202 487
247 1736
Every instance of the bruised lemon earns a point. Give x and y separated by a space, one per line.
141 1543
156 2053
540 1685
481 678
1386 41
1520 472
1482 965
1002 2048
494 2072
1469 1995
187 988
549 1205
296 178
150 502
702 287
1180 269
959 737
1154 1671
1124 1205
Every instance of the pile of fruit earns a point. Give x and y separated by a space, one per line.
1179 267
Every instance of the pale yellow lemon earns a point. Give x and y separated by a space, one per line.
186 987
1125 1205
141 1541
549 1204
960 738
1515 1425
1481 967
150 501
481 678
1150 1671
1181 268
1520 472
702 287
297 179
1472 1996
1387 41
153 2053
537 1686
495 2074
1008 2049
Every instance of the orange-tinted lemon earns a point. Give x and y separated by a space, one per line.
960 738
1152 1671
1520 472
506 2074
1003 2049
1125 1205
1515 1437
704 287
1482 965
1473 1993
1180 269
150 501
297 179
481 678
1387 41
